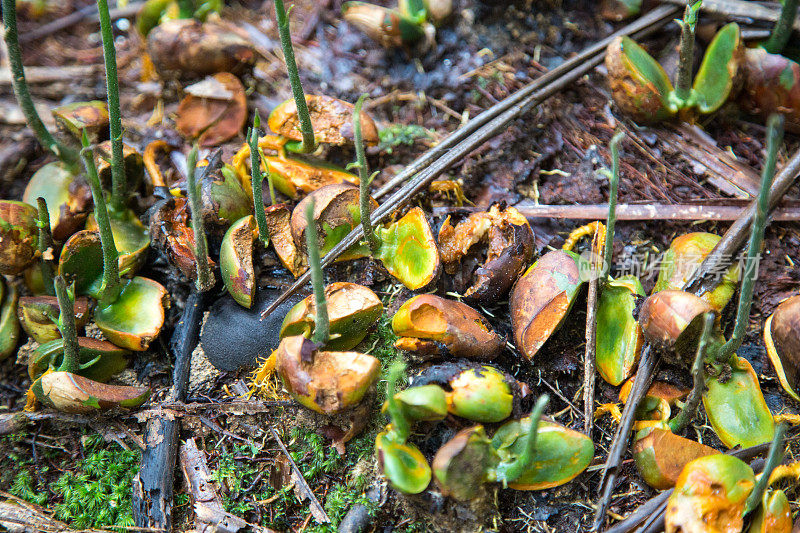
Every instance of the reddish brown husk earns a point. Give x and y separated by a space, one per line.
213 120
509 244
72 119
672 320
331 118
186 48
542 298
326 382
771 85
280 235
71 393
661 455
170 229
464 331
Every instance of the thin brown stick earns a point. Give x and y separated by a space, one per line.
688 212
316 508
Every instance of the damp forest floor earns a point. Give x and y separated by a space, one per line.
78 469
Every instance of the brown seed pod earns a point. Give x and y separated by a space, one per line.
459 327
213 117
280 235
171 231
542 297
331 118
35 312
75 118
186 48
782 339
771 85
326 382
336 214
661 455
508 242
19 236
673 321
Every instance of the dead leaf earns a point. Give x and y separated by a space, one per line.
214 110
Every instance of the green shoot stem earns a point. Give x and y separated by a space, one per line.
321 324
683 86
400 425
118 186
66 325
750 270
200 244
783 28
309 143
270 183
185 9
683 418
512 471
364 180
23 95
774 458
257 181
111 283
611 220
46 246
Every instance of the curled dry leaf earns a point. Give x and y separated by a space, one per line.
213 117
542 298
171 231
186 48
326 382
458 327
782 339
331 118
352 310
504 237
19 236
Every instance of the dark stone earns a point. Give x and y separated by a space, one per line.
234 337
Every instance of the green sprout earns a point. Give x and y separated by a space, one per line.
111 286
309 144
66 325
204 275
613 185
321 323
783 28
364 180
257 181
683 85
45 243
118 186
